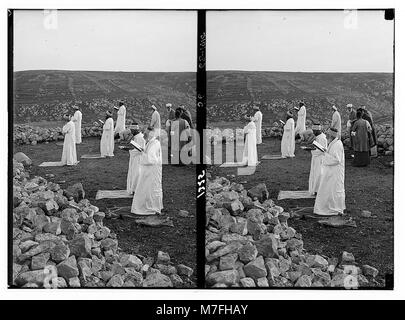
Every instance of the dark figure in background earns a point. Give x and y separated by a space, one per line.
361 140
373 139
186 115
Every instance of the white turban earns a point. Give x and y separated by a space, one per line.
153 107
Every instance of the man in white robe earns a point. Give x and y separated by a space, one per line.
107 138
336 121
69 155
148 198
258 118
250 150
77 119
288 139
316 161
134 167
121 115
301 119
155 121
330 199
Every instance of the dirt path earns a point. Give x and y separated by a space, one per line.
107 174
369 188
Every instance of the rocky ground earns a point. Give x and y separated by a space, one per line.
267 245
70 238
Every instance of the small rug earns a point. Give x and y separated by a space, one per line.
272 157
294 195
232 165
246 171
91 156
113 194
51 164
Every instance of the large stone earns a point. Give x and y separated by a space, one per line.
229 248
235 207
247 283
131 261
50 207
304 282
22 158
369 271
316 261
116 281
262 282
68 268
259 192
37 276
75 191
39 261
157 280
214 245
85 267
80 246
227 277
248 252
347 258
267 246
27 245
294 244
162 258
239 226
227 262
184 270
256 268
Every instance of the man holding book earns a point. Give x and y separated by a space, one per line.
148 198
317 158
107 138
330 199
301 119
121 115
288 139
134 167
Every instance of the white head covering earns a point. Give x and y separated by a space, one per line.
334 108
349 105
168 104
153 107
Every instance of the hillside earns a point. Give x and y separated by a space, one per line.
231 93
45 94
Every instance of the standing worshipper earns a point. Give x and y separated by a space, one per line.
288 139
186 115
373 137
155 121
360 132
301 119
148 198
330 199
121 115
250 149
336 121
107 138
350 121
77 119
316 160
134 167
170 112
257 118
69 155
178 128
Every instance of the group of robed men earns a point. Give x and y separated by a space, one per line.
144 178
326 179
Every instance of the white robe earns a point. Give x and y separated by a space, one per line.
107 139
250 150
155 123
316 164
330 199
257 118
134 168
148 198
69 156
288 140
120 125
337 123
301 120
77 119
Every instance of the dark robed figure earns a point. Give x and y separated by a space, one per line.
361 130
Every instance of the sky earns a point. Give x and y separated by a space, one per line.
162 41
299 41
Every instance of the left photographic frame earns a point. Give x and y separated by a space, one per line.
102 118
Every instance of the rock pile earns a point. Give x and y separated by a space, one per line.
26 134
250 244
59 240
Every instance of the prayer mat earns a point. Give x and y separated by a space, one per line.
60 144
113 194
294 195
91 156
338 222
272 157
232 165
246 171
51 164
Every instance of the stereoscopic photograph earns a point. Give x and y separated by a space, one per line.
301 143
103 116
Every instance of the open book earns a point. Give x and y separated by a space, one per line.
319 146
116 108
137 146
282 122
101 121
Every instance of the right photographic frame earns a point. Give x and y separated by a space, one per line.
300 149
